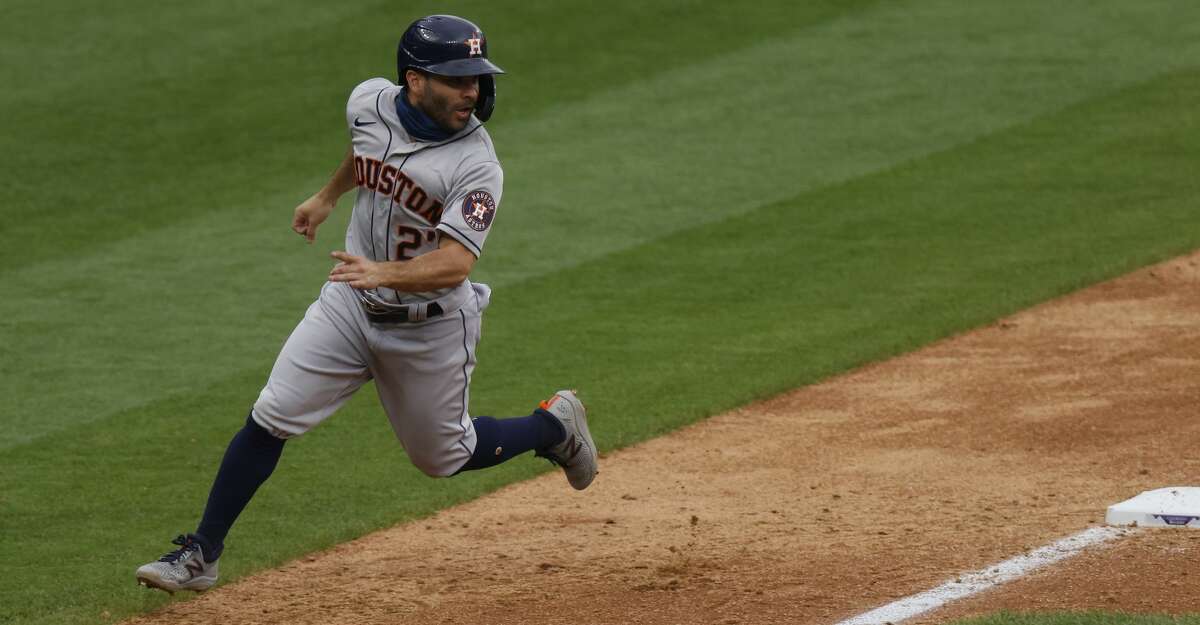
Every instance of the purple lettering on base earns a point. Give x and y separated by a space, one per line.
1177 519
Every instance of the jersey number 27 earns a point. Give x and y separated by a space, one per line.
409 241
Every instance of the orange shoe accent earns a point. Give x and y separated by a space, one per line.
546 403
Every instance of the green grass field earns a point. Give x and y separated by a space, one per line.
695 216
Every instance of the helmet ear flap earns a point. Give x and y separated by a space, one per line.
487 97
404 61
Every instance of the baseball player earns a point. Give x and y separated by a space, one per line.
399 307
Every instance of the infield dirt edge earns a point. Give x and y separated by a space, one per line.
817 504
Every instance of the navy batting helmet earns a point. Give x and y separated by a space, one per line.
450 46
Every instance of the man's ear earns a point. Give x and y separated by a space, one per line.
413 79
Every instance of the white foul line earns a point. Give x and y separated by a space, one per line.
985 578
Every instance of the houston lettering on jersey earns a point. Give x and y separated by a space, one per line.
381 178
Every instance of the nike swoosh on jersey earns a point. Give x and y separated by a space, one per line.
359 124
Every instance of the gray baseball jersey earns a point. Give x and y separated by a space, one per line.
410 193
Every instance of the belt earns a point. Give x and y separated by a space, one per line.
405 313
378 312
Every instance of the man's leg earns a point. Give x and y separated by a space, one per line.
423 376
557 431
320 366
498 440
248 462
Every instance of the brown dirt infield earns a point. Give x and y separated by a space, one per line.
825 502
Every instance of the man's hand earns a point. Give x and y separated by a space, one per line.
445 267
315 210
310 213
358 271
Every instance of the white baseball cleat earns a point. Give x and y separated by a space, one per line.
182 569
577 453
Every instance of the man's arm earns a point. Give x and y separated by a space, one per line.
446 266
313 211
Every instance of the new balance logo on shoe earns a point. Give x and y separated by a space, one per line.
577 453
182 569
194 567
572 448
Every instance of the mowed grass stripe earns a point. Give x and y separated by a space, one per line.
833 102
169 301
656 336
863 92
136 119
831 279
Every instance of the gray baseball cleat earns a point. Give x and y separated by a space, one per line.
577 453
182 569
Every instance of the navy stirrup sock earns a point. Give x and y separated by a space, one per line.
498 440
248 462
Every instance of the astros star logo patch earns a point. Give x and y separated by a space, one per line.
476 44
478 209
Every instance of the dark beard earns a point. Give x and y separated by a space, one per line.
438 109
